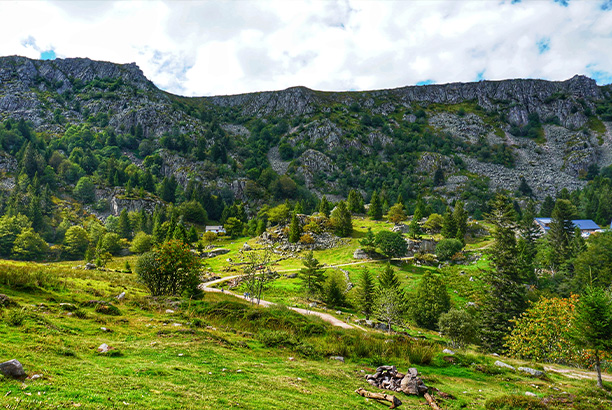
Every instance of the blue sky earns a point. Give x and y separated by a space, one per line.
225 47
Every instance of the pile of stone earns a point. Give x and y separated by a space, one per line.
387 377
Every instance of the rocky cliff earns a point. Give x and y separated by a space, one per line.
546 132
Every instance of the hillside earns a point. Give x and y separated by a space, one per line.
301 144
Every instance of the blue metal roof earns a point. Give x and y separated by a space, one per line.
583 224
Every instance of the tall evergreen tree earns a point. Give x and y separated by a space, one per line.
341 220
431 300
312 276
449 227
375 212
325 206
366 293
460 217
547 207
125 228
561 230
388 279
504 297
294 229
355 202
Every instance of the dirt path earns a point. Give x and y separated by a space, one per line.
578 374
207 287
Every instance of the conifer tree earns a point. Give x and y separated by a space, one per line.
369 241
375 212
431 300
192 235
460 218
325 207
312 276
449 228
388 279
180 233
547 207
366 293
294 229
124 229
355 202
504 297
341 220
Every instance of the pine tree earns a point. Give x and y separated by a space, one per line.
180 233
561 232
400 199
547 207
341 220
375 212
460 217
414 229
192 235
366 293
449 228
325 207
312 276
431 300
504 297
369 241
593 325
294 229
355 202
388 279
124 230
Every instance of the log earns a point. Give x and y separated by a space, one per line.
395 402
432 403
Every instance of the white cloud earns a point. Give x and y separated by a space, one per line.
223 47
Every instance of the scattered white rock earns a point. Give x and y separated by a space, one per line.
291 359
120 296
495 355
181 354
177 324
499 363
169 311
338 358
238 371
104 348
35 376
224 369
528 393
448 351
533 372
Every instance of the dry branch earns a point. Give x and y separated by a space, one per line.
395 402
432 402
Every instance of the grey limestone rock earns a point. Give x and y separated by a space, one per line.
12 369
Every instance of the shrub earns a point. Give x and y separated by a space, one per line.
29 246
446 248
76 242
307 239
514 402
459 326
430 301
141 243
171 269
111 243
108 309
276 338
85 190
391 244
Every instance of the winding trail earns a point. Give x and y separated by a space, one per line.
207 287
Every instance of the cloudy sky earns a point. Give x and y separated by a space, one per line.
226 47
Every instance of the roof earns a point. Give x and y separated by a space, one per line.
583 224
214 227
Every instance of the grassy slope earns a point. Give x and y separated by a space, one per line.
147 371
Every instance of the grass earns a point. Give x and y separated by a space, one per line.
171 353
176 358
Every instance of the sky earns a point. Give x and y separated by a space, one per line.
214 47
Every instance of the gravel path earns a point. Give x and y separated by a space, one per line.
207 287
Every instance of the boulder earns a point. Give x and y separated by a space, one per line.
448 351
104 348
338 358
6 301
12 369
360 254
499 363
533 372
291 275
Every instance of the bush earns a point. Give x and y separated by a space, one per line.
108 309
446 248
430 301
85 191
141 243
459 326
514 402
391 244
111 243
171 269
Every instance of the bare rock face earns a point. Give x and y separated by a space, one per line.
12 369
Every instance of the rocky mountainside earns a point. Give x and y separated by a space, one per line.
452 140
